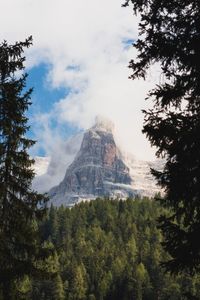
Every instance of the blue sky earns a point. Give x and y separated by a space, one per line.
43 96
43 99
78 66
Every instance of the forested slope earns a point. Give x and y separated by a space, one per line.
109 250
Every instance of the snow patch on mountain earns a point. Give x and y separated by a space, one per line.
140 172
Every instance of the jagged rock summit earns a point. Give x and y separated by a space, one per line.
97 170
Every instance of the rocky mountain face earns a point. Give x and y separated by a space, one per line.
89 165
97 170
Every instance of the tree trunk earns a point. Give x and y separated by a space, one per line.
6 290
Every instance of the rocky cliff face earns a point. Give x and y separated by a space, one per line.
97 170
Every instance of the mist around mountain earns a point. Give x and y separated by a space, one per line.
92 165
50 171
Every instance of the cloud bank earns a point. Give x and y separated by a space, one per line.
87 45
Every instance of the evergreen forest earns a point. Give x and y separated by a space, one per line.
106 250
135 249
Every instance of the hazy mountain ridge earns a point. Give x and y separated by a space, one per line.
57 164
143 180
97 169
41 165
93 165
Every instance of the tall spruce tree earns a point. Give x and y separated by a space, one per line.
20 206
170 35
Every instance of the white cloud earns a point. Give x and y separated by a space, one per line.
83 41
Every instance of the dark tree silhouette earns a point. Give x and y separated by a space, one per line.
20 206
170 35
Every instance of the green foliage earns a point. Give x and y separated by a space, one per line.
109 250
20 206
169 34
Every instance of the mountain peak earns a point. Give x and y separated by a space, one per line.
97 170
103 124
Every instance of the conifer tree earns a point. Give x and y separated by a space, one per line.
20 206
170 35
